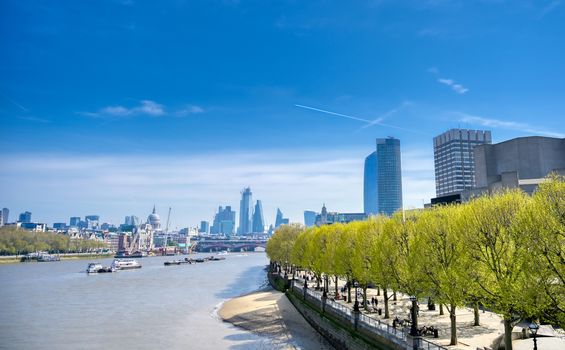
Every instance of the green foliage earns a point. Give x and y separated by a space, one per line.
506 251
17 241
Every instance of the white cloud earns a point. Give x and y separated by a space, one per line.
458 88
194 186
188 110
150 108
503 124
145 107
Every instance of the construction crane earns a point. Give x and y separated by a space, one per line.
168 218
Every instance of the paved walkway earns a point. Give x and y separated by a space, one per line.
470 337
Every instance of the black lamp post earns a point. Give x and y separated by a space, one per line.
414 326
356 305
534 330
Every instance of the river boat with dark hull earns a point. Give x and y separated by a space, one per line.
124 254
125 264
40 257
98 268
178 262
217 258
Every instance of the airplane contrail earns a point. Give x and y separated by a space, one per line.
14 103
333 113
369 122
386 115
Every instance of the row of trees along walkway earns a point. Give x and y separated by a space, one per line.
504 251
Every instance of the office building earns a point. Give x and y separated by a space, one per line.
309 218
25 217
204 227
280 219
245 212
224 221
74 221
382 192
522 163
60 226
132 220
92 221
454 160
258 220
5 215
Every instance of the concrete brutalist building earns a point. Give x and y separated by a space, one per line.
522 162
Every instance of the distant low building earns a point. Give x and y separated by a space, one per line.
328 218
25 217
309 218
60 226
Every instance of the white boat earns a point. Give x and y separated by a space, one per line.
223 252
98 268
125 264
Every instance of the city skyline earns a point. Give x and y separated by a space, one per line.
89 127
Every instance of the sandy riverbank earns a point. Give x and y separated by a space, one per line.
269 313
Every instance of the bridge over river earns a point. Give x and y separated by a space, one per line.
233 245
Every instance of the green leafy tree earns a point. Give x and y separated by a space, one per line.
500 254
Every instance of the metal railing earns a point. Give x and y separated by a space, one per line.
368 323
428 345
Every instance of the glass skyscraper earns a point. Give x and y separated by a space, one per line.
454 159
258 220
245 211
382 190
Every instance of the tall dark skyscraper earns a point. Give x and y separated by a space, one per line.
245 211
454 159
382 192
258 220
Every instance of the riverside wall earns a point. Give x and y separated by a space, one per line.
342 330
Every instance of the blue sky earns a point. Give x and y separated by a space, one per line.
109 107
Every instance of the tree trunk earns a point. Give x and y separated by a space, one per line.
318 283
452 318
385 296
336 291
348 292
441 309
378 291
365 304
476 314
393 295
507 333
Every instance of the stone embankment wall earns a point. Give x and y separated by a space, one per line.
341 333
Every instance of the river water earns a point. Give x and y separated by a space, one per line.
58 306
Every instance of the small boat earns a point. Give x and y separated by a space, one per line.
125 264
217 258
199 260
40 257
98 268
124 254
176 262
223 252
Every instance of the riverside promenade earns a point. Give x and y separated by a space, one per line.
378 331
